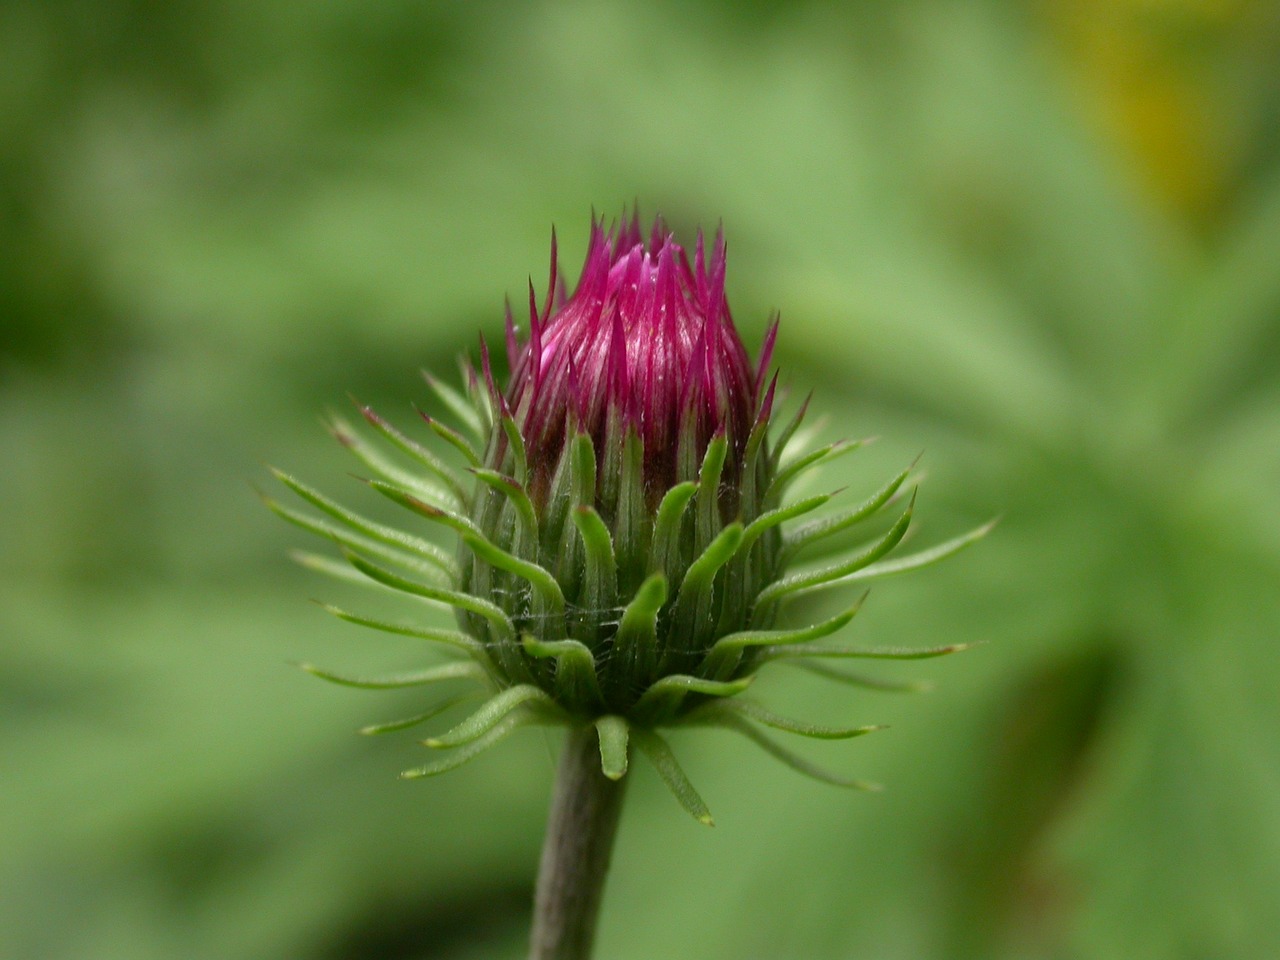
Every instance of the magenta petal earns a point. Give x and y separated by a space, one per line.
646 336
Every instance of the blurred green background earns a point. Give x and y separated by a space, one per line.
1039 242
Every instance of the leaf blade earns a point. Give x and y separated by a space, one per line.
658 752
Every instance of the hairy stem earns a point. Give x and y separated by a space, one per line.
575 855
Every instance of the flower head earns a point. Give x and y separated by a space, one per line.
646 344
627 541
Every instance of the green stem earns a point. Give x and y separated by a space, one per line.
575 855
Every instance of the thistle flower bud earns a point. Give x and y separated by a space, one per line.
623 548
634 402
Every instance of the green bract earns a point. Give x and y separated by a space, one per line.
625 536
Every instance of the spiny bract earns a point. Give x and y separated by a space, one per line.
625 533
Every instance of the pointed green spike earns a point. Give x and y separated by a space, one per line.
723 657
719 551
391 726
515 492
416 451
712 711
664 696
476 747
658 752
813 458
787 433
516 445
688 456
796 762
377 531
810 580
708 505
576 680
424 561
864 653
454 439
491 714
632 525
583 468
666 527
562 540
924 558
454 598
635 645
544 584
601 575
755 443
809 533
859 679
480 399
693 599
595 536
613 733
331 568
613 452
754 470
641 613
804 439
772 518
450 518
457 404
344 571
372 458
684 683
452 638
458 670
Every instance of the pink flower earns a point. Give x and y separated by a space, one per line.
645 344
